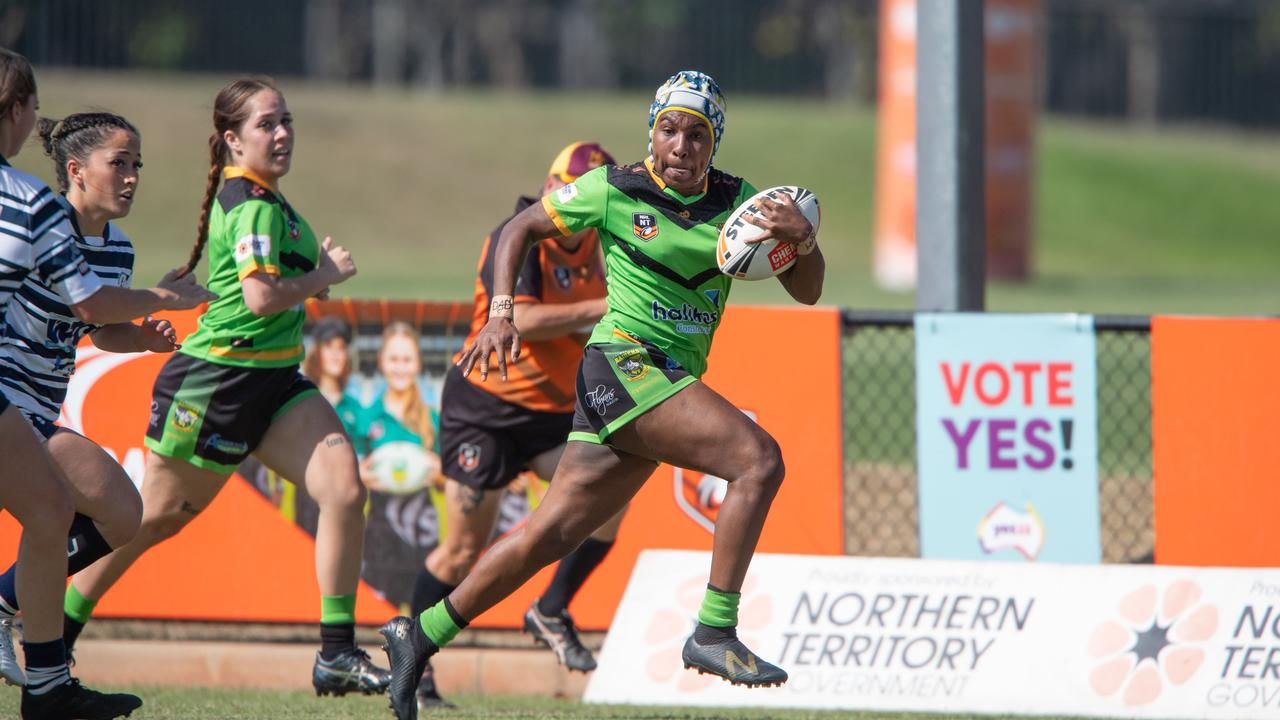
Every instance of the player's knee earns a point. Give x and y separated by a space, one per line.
126 517
343 493
767 467
50 520
155 530
353 495
125 512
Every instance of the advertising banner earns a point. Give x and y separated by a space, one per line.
1006 431
1214 396
961 637
259 532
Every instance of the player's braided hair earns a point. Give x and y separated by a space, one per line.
17 81
76 136
230 110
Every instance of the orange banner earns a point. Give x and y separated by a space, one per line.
245 560
1012 30
1214 395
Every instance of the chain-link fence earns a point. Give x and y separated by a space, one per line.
880 436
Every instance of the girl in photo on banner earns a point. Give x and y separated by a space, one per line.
397 433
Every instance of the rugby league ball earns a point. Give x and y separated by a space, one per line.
403 467
757 261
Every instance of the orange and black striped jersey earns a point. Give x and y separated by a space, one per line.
543 378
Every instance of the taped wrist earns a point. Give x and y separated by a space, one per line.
502 306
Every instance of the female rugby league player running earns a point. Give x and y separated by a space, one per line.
639 400
38 241
97 160
234 387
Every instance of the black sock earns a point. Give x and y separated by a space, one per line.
336 639
705 634
85 545
71 628
427 591
571 574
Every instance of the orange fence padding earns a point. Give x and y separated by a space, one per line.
1215 395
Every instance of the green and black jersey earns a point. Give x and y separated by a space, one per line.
660 254
252 229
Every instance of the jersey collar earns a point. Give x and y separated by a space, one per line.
662 185
74 217
233 171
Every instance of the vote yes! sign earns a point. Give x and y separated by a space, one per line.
1006 428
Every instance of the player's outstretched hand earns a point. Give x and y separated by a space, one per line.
335 262
157 336
182 292
498 336
782 221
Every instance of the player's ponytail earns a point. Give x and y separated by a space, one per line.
230 110
217 161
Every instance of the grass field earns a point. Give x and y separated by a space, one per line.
202 704
1126 221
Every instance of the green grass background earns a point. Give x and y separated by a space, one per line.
1126 221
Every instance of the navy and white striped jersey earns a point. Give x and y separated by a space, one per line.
40 333
36 239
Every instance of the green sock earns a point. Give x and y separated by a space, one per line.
719 609
77 606
337 609
438 625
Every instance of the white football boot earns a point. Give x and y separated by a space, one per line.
10 668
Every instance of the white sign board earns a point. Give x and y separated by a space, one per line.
951 636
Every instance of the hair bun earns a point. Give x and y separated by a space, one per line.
47 128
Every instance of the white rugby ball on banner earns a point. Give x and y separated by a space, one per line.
403 467
757 261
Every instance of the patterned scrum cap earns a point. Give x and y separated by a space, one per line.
693 92
577 158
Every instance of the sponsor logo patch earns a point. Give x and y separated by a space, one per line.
631 364
781 255
687 319
644 225
469 457
225 446
253 246
601 398
1154 642
185 416
1005 528
567 193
